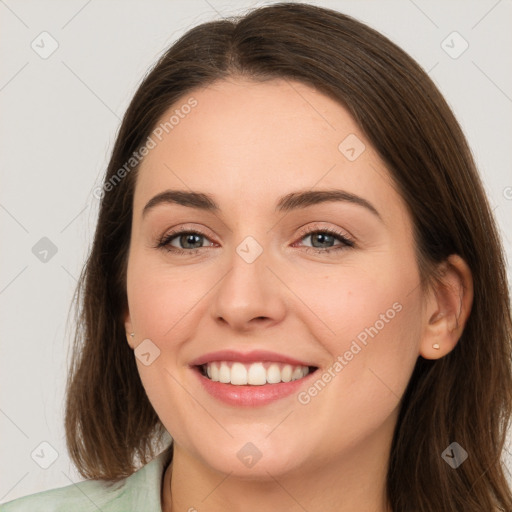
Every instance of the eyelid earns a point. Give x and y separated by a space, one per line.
188 228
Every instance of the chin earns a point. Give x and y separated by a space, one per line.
254 460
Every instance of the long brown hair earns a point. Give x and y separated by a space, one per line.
466 396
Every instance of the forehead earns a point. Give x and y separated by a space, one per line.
249 142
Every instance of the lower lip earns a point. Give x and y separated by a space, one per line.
250 396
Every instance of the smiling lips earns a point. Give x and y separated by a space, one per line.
251 379
255 368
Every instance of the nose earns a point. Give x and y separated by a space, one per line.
250 295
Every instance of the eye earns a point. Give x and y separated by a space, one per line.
191 241
322 239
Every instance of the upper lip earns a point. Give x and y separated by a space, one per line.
247 357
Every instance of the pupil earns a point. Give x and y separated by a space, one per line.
190 238
324 237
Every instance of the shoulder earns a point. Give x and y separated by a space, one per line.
140 491
81 497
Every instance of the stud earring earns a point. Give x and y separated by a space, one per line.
132 334
436 346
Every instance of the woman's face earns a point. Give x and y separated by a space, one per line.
274 283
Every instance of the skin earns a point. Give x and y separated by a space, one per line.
247 144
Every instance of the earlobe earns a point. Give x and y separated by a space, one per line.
448 308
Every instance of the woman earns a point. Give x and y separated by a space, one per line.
297 275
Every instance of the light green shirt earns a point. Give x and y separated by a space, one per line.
139 492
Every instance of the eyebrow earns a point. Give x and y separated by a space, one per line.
287 203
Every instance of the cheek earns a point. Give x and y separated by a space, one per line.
360 301
369 319
164 302
161 297
373 349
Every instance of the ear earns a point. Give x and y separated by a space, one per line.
447 308
128 327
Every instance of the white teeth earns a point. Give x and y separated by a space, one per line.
286 373
274 374
238 374
297 373
255 374
214 369
224 373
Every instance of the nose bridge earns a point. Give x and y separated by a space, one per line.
249 290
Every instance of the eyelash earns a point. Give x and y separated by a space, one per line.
164 242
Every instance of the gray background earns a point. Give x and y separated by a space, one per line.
59 117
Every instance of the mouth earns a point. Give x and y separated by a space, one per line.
256 373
